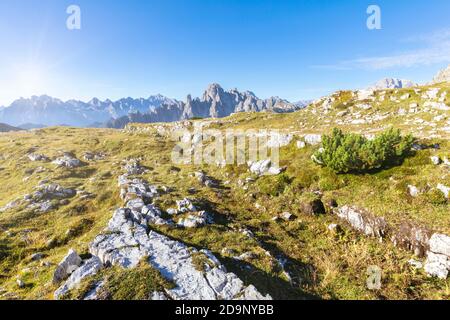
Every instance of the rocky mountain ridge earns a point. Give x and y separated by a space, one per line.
215 102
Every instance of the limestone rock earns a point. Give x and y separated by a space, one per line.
68 264
444 189
67 161
37 157
88 268
263 167
313 139
363 221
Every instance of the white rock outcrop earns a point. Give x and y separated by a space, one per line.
68 264
88 268
363 221
438 256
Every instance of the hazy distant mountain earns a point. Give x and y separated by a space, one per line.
29 126
49 111
6 128
442 76
215 102
392 83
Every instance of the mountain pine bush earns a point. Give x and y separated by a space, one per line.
349 152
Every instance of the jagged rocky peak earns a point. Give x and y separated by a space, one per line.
213 92
442 76
392 83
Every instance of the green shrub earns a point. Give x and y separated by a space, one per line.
348 152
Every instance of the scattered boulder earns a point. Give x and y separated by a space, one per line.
68 265
20 283
334 228
93 156
363 221
412 237
38 157
438 257
158 296
413 191
264 167
313 139
133 167
68 161
435 160
196 220
415 264
185 205
37 256
88 268
444 189
287 216
314 207
301 144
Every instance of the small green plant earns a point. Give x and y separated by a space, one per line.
274 186
348 152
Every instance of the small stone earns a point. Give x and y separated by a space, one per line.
287 216
314 207
37 256
20 283
415 264
172 211
158 296
276 219
444 189
413 191
435 160
301 144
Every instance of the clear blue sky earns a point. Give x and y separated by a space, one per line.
293 49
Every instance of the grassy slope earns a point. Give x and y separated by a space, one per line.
322 264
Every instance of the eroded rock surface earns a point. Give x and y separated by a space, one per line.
363 221
438 257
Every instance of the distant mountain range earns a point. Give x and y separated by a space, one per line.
392 83
6 128
39 111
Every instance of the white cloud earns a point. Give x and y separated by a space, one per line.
435 48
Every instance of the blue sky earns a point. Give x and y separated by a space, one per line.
293 49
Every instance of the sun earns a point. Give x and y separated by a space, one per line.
30 80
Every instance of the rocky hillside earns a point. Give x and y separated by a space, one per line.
106 214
